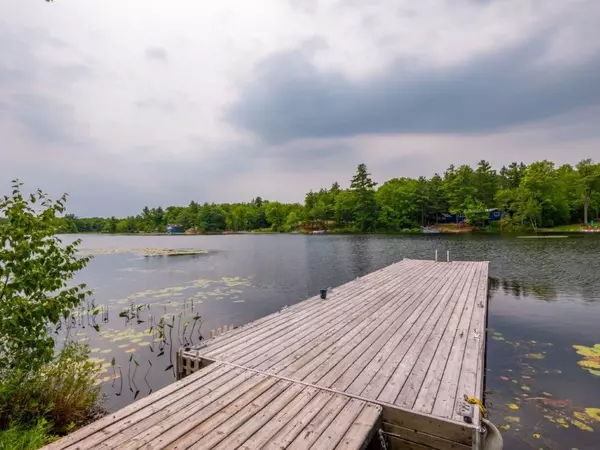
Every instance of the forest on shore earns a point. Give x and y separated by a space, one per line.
539 195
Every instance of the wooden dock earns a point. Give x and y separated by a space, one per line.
388 357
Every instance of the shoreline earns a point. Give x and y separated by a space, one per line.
544 231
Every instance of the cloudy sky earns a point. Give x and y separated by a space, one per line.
128 103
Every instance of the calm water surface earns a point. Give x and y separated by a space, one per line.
544 298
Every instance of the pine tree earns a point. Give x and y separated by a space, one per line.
363 187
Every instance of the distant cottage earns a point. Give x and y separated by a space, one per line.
494 214
173 228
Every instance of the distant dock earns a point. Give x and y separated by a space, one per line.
384 362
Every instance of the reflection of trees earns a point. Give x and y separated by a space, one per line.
590 293
524 289
493 286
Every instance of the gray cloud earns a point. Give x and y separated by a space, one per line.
290 99
157 53
45 119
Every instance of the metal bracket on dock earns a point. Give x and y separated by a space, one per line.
467 411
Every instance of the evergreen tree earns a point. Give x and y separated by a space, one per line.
365 211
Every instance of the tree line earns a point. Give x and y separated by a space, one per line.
541 194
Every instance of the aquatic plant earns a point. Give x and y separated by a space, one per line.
591 358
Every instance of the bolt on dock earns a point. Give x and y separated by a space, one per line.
386 361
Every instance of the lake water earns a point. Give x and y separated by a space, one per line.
544 298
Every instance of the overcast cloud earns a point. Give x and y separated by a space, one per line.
146 102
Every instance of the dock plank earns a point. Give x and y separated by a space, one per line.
284 437
448 393
327 328
387 383
361 375
431 384
426 363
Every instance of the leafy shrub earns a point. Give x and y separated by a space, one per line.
63 392
35 269
38 390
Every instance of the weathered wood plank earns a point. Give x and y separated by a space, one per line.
318 424
289 318
311 366
237 434
390 375
334 433
156 428
286 416
430 386
418 437
397 324
165 396
471 374
235 421
219 342
447 394
396 382
398 443
458 432
426 362
193 428
362 429
329 327
342 305
284 437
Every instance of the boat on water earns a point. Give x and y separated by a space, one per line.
430 230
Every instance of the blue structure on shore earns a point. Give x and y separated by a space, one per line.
494 214
172 229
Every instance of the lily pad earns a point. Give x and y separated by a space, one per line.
582 426
591 358
593 413
589 364
513 406
513 419
534 356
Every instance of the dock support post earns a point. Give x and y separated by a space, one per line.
448 256
436 256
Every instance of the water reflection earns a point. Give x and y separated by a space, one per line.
522 289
